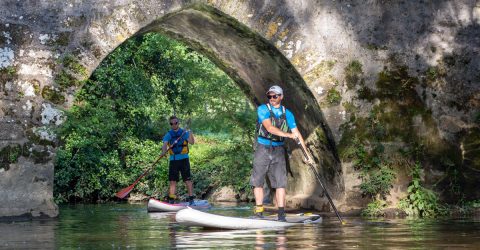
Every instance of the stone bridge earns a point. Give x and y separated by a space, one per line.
338 61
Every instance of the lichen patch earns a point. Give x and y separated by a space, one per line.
26 88
45 133
51 115
6 57
35 69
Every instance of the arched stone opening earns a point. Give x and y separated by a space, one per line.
254 64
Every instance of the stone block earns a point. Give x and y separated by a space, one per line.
11 131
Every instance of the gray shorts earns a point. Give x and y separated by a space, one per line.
271 161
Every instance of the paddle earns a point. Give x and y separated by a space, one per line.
314 169
124 192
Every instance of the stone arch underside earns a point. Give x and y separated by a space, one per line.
255 64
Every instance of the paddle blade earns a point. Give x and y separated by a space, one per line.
124 192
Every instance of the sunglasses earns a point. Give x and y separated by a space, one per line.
273 96
173 123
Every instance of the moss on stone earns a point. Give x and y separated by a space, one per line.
333 97
471 149
476 117
65 79
321 136
26 149
8 74
72 72
350 107
36 87
396 84
50 94
63 39
431 74
9 155
19 34
353 73
71 63
372 46
321 73
76 21
40 157
366 93
397 117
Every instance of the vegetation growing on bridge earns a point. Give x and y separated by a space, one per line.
398 136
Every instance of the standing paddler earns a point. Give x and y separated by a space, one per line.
179 160
275 122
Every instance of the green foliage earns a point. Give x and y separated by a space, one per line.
51 94
333 97
432 73
72 64
476 117
353 72
374 208
421 202
228 163
8 72
376 174
70 73
468 207
9 154
115 129
378 181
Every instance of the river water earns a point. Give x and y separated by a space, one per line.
120 226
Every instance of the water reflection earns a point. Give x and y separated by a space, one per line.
263 242
250 239
39 234
130 226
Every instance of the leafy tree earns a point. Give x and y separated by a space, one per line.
115 127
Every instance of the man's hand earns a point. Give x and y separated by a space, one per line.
309 160
292 136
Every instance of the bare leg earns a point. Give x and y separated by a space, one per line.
280 197
258 192
173 188
189 185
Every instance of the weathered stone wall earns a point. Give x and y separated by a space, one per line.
352 59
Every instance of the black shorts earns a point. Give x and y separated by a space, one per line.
179 166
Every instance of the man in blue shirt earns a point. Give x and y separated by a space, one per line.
275 122
179 161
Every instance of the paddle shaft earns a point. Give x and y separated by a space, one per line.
317 175
124 192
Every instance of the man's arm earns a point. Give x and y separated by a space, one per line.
267 123
191 139
164 147
302 144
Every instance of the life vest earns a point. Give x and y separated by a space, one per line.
280 123
182 145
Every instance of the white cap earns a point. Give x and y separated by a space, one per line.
275 89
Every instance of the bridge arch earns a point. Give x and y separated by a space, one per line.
255 64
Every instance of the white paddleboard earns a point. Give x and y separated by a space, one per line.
160 206
192 217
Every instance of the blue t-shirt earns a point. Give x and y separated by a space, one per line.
168 137
263 113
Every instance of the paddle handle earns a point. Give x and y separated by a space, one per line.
317 175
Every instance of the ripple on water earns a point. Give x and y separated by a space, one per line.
130 226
